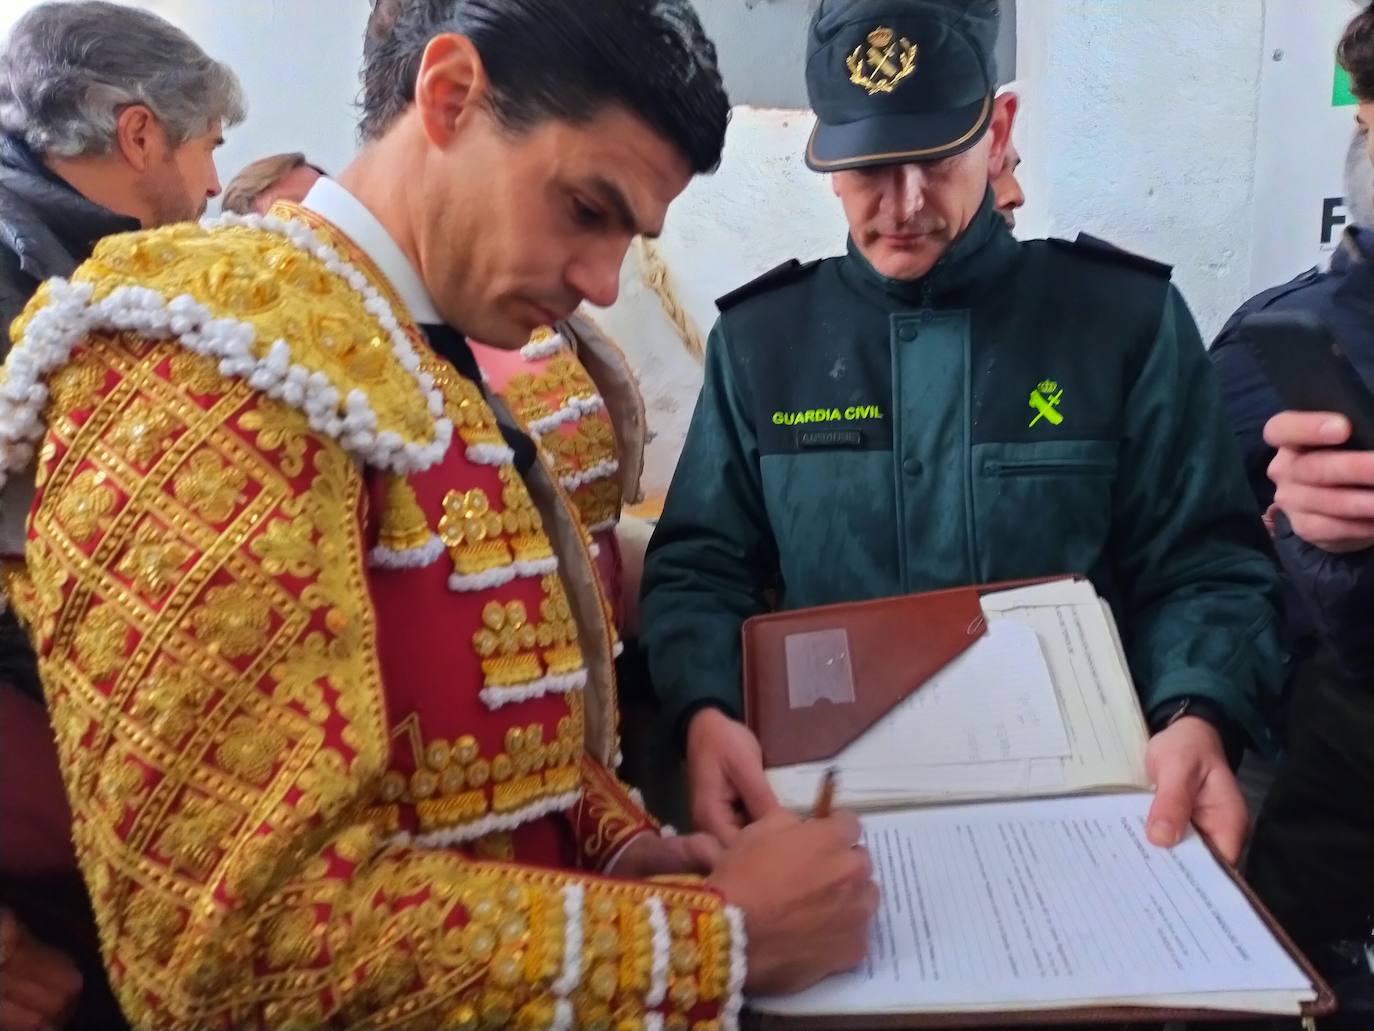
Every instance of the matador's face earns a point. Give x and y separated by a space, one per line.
533 222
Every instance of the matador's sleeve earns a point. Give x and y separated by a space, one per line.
195 589
608 818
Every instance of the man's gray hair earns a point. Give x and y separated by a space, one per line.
67 70
1359 183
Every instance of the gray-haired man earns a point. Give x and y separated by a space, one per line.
109 119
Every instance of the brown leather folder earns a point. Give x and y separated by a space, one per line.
815 679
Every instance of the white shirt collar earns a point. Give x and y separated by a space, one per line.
333 203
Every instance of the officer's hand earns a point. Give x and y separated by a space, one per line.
725 778
39 986
1193 782
1327 493
652 855
807 894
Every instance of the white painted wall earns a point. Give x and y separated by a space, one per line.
759 44
763 207
1140 128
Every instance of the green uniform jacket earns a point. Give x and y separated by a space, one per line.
1025 409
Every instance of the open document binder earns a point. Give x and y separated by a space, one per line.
992 740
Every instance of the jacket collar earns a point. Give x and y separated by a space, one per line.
1355 251
351 217
50 227
980 254
1353 265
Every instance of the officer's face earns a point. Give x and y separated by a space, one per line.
904 217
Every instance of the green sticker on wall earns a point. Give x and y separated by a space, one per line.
1340 92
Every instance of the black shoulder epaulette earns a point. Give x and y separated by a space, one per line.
1263 300
1102 249
784 273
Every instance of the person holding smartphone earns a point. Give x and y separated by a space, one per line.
1310 470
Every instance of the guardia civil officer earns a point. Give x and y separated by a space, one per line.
943 405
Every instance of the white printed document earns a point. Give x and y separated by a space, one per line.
1048 904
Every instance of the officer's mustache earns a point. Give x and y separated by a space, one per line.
915 227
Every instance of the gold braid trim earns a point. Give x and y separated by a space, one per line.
607 817
660 281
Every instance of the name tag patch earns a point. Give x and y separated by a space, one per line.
818 439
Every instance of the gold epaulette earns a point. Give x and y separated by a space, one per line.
273 302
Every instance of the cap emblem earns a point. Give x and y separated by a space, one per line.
880 64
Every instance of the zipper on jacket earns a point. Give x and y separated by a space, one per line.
1081 466
928 291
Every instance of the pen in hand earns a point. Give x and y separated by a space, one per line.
825 796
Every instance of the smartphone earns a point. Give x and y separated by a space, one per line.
1304 362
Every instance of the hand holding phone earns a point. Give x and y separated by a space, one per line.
1323 469
1308 369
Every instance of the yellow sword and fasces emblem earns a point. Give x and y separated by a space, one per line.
1045 400
881 63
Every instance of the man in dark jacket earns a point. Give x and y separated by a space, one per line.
1313 853
109 119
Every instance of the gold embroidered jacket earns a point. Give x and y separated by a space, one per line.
572 390
332 683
